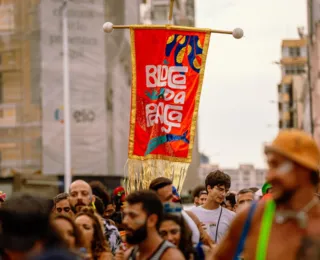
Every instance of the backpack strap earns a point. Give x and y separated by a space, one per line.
245 230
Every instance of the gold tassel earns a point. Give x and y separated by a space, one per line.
139 174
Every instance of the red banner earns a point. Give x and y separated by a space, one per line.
168 68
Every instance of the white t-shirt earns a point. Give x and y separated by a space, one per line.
211 218
193 227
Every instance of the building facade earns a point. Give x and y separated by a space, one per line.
293 66
156 12
22 62
22 26
246 176
312 104
20 106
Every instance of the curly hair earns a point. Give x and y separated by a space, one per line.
218 178
77 233
99 190
99 243
185 244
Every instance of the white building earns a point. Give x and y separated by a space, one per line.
156 12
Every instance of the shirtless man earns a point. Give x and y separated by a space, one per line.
293 160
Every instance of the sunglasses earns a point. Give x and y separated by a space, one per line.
65 209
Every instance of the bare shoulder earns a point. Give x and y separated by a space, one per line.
106 256
207 250
317 212
314 220
127 253
172 253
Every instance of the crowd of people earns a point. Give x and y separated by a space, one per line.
278 221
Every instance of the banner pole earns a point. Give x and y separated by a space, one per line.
66 99
109 27
170 20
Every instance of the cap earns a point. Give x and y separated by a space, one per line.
265 188
119 192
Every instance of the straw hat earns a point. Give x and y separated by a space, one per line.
298 147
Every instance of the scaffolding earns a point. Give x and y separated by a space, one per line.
20 106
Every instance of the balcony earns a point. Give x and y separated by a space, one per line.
10 117
20 163
159 2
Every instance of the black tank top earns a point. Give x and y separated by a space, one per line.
157 254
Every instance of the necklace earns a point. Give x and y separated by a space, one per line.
301 216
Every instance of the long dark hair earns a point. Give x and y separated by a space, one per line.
185 244
77 232
99 243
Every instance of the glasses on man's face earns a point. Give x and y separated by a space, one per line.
172 232
65 209
221 190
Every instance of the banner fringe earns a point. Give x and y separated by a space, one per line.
139 174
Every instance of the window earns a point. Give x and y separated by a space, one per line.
294 69
294 52
301 69
280 124
160 13
286 88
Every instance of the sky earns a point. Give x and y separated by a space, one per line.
236 114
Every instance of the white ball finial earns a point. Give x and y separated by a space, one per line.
108 27
237 33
